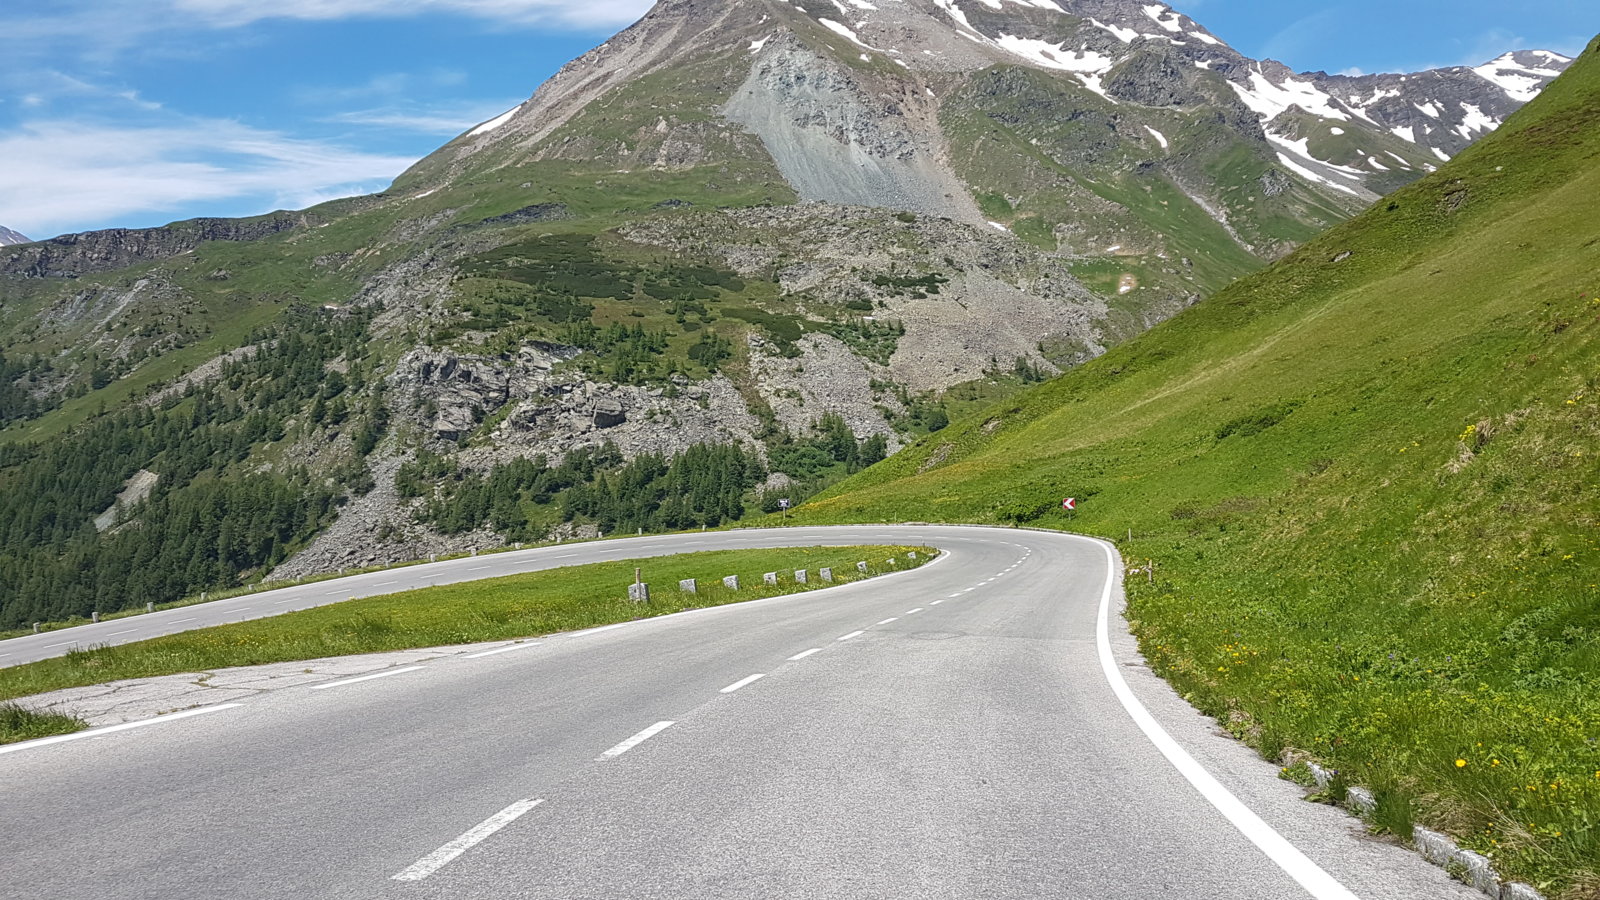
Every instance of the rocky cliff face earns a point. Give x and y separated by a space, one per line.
72 255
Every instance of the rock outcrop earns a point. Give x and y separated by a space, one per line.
72 255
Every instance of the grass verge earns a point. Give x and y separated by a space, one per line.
516 606
20 724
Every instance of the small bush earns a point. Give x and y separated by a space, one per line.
1260 420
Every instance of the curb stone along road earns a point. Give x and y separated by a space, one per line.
1437 848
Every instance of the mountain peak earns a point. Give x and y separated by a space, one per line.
9 238
1084 124
1523 73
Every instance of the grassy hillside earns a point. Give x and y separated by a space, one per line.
1366 478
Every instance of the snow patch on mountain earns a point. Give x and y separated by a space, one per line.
1056 56
495 123
843 30
1522 80
1165 17
1475 122
1125 35
1271 100
955 12
9 238
1296 155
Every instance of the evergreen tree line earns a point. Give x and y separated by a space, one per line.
622 355
208 520
16 403
705 486
831 445
708 485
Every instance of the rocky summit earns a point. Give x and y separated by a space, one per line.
749 244
10 238
1100 128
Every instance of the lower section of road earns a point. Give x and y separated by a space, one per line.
979 728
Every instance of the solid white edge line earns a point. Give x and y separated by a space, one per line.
742 682
443 856
804 653
375 675
1288 857
636 740
499 650
111 729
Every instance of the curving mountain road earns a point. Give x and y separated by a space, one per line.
982 727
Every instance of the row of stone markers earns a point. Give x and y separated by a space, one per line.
639 592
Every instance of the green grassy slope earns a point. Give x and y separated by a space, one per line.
1367 479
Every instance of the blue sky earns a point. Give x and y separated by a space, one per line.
138 112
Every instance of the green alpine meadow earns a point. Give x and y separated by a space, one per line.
1366 481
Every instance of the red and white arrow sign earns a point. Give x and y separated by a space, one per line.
1070 503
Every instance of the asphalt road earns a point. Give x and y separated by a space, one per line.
980 728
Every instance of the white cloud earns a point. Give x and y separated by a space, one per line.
105 30
441 122
61 174
581 13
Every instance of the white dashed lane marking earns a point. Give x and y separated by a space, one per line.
636 740
443 856
742 682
